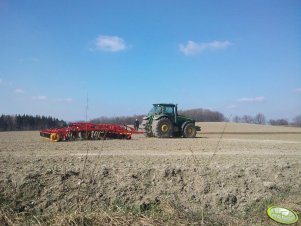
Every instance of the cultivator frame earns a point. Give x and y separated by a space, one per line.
89 131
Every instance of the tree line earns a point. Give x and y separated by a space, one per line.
200 115
203 115
123 120
261 119
28 122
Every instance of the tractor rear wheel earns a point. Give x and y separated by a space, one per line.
162 128
189 131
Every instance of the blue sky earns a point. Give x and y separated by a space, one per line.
236 57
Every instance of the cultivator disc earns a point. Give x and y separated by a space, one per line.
89 131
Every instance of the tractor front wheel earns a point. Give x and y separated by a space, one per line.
148 134
189 131
145 125
162 128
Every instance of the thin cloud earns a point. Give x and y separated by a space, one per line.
194 48
29 60
39 97
251 99
35 59
232 106
297 90
66 100
110 43
19 91
3 82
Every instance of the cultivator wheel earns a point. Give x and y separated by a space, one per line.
54 137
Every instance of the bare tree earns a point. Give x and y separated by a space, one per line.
260 119
247 119
297 120
236 119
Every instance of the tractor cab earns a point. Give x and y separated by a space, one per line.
168 109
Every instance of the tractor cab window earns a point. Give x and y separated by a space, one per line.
161 110
155 110
168 110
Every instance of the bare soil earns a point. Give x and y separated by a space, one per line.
229 175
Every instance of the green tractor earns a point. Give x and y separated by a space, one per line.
163 121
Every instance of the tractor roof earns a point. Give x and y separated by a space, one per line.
168 105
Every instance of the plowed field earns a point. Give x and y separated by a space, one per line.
229 175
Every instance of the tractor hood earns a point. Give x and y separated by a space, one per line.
182 118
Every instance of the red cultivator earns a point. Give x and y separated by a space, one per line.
89 131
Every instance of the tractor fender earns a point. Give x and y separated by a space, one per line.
197 128
157 117
185 123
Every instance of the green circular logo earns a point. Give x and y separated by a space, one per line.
282 215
